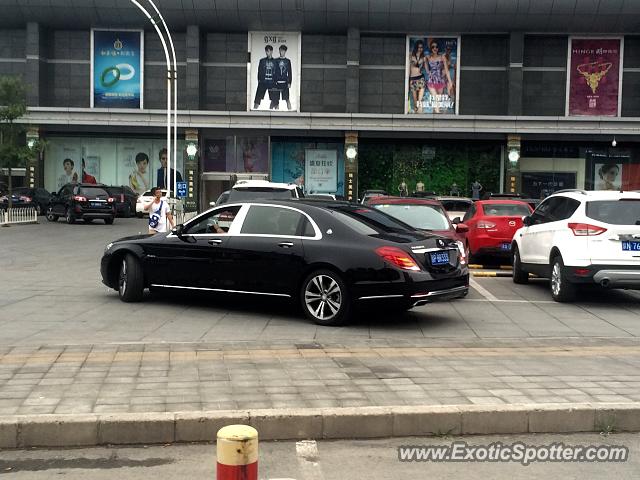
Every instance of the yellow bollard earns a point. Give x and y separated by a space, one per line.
237 448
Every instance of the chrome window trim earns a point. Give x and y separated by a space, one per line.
316 229
222 290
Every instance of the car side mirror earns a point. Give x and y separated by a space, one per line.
527 221
456 220
178 230
462 228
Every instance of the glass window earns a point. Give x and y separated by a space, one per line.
505 209
92 192
564 209
215 222
615 212
455 205
470 213
264 193
375 221
425 217
263 220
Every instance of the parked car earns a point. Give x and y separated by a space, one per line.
82 201
224 196
533 202
369 194
423 214
329 256
145 198
492 224
455 206
579 238
321 196
125 200
17 201
40 197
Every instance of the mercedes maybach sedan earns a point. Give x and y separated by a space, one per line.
329 256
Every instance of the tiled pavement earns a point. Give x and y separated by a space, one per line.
186 377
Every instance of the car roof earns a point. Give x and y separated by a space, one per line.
458 199
501 201
404 201
582 195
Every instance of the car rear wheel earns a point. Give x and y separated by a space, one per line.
130 279
324 298
51 217
126 213
38 209
562 290
108 221
519 275
69 217
139 214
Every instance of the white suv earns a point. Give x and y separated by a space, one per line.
578 237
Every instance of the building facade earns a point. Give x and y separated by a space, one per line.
522 96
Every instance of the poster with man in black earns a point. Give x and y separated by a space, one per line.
282 79
266 69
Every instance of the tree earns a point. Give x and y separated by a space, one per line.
13 152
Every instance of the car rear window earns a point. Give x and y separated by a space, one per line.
506 209
424 217
93 192
252 193
369 221
455 205
615 212
115 190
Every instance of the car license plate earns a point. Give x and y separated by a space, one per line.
506 247
96 204
439 258
631 246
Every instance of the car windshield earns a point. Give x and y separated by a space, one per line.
455 205
423 217
506 209
615 212
369 221
252 193
93 192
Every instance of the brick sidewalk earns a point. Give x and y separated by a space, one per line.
188 377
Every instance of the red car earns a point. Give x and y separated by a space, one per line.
492 224
423 214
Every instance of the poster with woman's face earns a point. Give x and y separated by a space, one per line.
63 164
608 176
134 168
432 69
274 76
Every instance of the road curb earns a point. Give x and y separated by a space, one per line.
317 423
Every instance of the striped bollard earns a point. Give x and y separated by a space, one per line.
237 448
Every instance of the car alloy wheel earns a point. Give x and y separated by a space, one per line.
324 298
562 290
38 209
556 279
51 217
122 278
130 279
69 217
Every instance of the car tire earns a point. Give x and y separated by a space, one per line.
519 275
139 214
69 217
126 213
51 217
562 290
88 220
38 209
108 221
130 279
324 298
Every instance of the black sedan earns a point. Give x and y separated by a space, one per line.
17 201
329 256
39 198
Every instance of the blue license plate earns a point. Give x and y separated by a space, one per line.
96 204
631 246
506 247
439 258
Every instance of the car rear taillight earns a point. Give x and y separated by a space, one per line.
25 199
122 198
485 224
79 198
110 200
398 257
585 229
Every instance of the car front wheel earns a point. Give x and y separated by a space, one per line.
130 279
324 298
562 290
108 221
519 275
51 217
69 217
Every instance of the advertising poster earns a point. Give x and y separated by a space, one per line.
134 165
608 176
159 164
432 74
116 69
215 155
252 154
274 74
321 171
67 165
594 79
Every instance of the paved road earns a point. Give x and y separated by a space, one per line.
50 293
336 460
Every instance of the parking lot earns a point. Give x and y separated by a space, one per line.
51 293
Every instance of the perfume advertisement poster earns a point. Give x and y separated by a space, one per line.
594 76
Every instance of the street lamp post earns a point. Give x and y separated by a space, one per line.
172 82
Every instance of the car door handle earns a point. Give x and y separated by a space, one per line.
215 241
285 244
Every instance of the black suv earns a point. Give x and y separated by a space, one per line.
86 201
125 200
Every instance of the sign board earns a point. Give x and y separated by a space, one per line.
321 171
181 189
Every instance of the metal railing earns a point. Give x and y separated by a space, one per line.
18 215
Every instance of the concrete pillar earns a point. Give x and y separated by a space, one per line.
353 71
35 71
516 58
192 80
